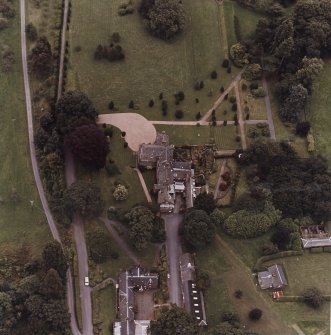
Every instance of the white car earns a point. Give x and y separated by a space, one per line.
168 275
86 281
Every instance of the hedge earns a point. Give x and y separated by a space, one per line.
263 259
298 298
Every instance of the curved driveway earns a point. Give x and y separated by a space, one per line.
50 220
138 129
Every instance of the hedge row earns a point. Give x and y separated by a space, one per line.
297 298
263 259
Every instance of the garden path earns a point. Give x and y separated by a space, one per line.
138 129
144 186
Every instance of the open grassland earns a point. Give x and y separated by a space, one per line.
247 19
223 136
151 66
319 112
19 223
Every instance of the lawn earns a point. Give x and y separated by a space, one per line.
111 267
309 270
223 136
319 111
151 66
247 18
19 223
125 160
104 308
217 301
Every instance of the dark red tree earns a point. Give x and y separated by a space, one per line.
89 145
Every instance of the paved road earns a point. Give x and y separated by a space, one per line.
82 256
269 113
172 222
48 214
63 48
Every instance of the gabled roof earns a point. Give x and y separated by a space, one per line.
273 278
316 242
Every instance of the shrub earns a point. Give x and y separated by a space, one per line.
123 133
196 100
108 132
31 31
115 38
255 314
248 223
232 99
161 96
244 86
131 104
234 107
222 89
228 70
180 96
225 63
218 217
179 114
269 249
252 133
225 122
111 105
254 86
125 9
258 93
213 75
252 72
99 246
125 145
164 107
230 317
313 298
120 193
112 169
151 103
238 294
198 116
302 128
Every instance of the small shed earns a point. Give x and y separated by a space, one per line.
273 277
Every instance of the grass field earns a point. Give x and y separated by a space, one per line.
223 136
151 65
319 111
19 224
247 18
